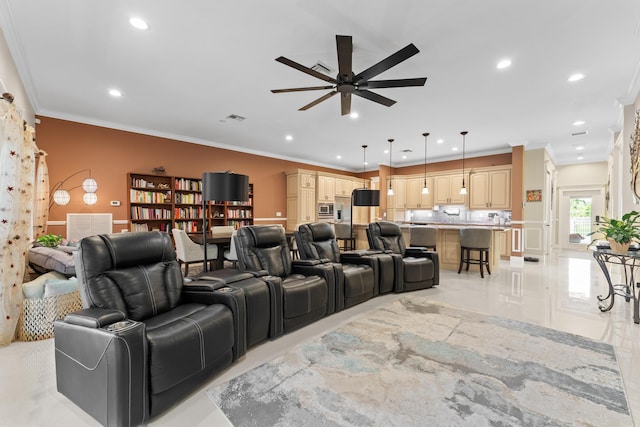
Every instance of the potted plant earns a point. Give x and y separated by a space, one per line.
49 240
620 232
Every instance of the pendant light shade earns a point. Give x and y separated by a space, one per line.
390 190
463 189
425 189
363 196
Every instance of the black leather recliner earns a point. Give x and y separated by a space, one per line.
416 268
144 340
308 287
355 280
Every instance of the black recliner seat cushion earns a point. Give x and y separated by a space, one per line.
318 241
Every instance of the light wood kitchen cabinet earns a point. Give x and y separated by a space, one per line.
414 197
343 187
301 198
490 189
447 190
326 188
504 242
399 198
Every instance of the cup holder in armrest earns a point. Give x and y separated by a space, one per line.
224 289
118 326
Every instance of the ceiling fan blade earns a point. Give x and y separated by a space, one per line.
393 60
345 103
344 45
394 83
374 97
306 70
300 89
318 101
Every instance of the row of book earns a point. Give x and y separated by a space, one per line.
163 226
189 198
138 196
189 226
237 223
239 213
193 212
138 212
186 184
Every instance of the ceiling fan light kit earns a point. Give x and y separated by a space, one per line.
348 83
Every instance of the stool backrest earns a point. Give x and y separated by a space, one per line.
475 237
423 236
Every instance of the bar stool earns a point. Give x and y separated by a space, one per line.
345 234
423 237
475 239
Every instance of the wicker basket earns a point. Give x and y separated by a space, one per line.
38 314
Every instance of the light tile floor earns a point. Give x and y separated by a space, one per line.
559 293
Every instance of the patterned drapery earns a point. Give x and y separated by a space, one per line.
41 204
17 173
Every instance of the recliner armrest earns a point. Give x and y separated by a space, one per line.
417 251
313 267
94 317
307 262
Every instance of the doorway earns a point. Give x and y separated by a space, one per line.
578 212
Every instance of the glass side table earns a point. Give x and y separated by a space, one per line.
630 289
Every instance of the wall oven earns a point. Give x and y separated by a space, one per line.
325 211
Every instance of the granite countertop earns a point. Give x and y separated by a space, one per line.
451 226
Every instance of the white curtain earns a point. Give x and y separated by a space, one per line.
17 173
41 202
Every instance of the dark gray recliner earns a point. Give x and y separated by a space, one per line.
144 340
416 268
355 274
308 286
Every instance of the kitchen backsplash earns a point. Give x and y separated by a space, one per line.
459 213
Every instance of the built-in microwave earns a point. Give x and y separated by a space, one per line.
325 210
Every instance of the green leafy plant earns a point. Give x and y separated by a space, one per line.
49 240
622 230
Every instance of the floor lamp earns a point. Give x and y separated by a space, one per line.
223 187
363 196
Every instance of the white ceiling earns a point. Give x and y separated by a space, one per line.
202 60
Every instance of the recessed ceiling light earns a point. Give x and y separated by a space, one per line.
366 163
404 157
454 149
579 147
440 141
115 92
505 63
289 138
386 151
578 123
138 23
580 157
354 115
576 77
338 157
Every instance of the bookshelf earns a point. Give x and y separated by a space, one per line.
158 202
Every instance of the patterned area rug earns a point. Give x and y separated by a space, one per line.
415 363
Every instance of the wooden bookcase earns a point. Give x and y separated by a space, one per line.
158 202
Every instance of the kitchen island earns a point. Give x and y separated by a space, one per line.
448 242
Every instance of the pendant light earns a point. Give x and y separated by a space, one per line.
390 190
425 189
463 189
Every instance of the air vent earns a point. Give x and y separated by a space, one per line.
407 151
235 117
584 132
321 68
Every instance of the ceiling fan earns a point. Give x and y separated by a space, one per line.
346 83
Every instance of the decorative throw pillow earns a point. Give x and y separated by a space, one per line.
35 288
53 287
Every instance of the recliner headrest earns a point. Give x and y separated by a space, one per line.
389 228
133 249
321 231
267 236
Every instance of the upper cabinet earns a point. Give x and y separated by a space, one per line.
446 190
344 187
399 198
490 189
326 188
414 197
301 198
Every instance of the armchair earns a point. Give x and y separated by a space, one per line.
416 268
308 286
355 280
143 340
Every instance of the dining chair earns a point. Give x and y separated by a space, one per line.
190 252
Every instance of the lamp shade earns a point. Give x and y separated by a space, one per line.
225 186
364 197
89 185
89 198
61 197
